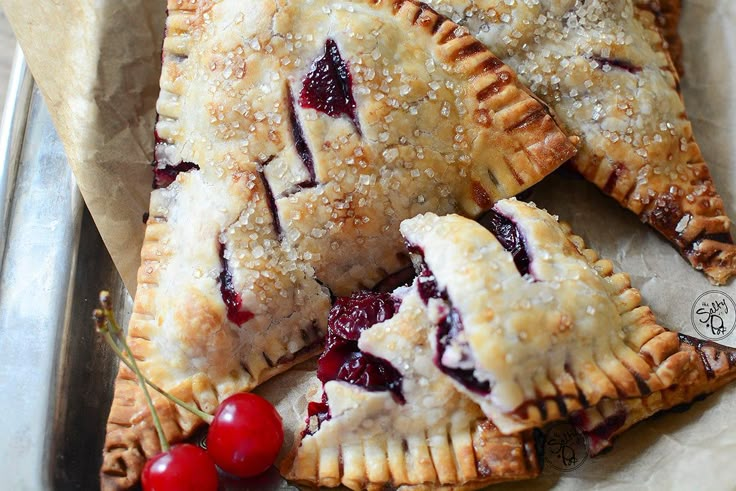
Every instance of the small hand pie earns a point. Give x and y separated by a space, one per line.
530 324
603 67
293 137
388 418
714 367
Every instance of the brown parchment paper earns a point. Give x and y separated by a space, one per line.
97 63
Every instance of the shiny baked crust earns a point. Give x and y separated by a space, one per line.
566 335
285 205
714 367
437 439
603 67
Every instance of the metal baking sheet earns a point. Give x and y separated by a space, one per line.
55 379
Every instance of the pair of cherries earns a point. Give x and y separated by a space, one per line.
244 438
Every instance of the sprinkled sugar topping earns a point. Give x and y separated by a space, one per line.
603 67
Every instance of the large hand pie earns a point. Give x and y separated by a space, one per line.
500 329
603 67
388 418
293 137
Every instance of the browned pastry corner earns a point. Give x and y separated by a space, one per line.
610 81
714 366
487 457
667 15
292 139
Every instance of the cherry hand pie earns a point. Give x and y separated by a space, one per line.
603 67
681 368
293 138
388 418
530 324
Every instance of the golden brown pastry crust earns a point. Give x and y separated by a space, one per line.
436 439
714 366
445 127
603 67
494 458
569 334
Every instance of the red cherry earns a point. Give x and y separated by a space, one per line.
245 435
184 467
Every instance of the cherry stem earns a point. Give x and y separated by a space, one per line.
207 418
107 317
106 324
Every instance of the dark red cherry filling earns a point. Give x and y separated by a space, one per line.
352 315
164 176
233 300
449 329
328 87
343 360
426 282
427 285
617 63
317 413
271 200
509 236
447 333
302 148
599 436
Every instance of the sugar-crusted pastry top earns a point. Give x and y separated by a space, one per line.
354 115
565 334
603 66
